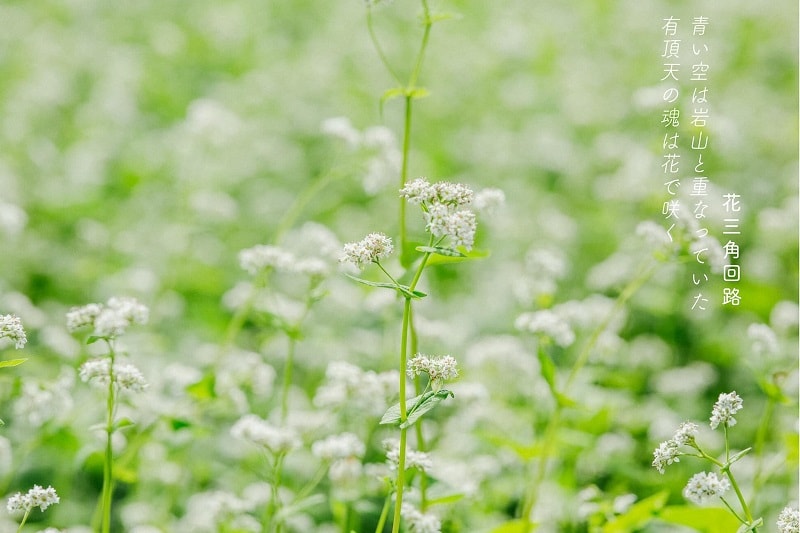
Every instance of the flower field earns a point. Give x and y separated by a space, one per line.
424 266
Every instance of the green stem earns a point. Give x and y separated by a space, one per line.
739 495
421 54
401 474
108 463
423 479
758 448
24 519
551 431
733 512
384 513
404 174
378 47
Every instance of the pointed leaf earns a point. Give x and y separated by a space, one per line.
402 289
93 339
451 498
440 250
515 526
391 94
424 406
471 255
740 455
12 362
638 515
417 93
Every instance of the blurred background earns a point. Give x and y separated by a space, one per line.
144 144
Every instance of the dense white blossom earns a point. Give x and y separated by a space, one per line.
548 324
666 454
110 320
263 256
260 432
370 249
11 328
460 225
705 486
726 406
126 375
414 458
439 369
789 521
347 385
489 200
420 522
35 497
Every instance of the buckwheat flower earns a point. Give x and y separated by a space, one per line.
439 369
789 521
263 256
547 324
130 309
414 458
705 486
371 249
666 454
489 200
460 226
110 323
128 377
261 433
79 317
653 234
35 497
11 328
420 522
338 447
418 191
312 267
685 434
763 339
727 405
96 370
454 194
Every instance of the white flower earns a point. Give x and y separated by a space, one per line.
438 368
548 324
418 191
420 522
126 376
414 459
370 249
789 521
263 256
341 446
704 486
456 194
727 405
260 432
764 340
11 328
489 200
666 454
460 226
110 320
312 266
685 433
35 497
652 233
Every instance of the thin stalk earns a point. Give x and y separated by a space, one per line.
739 495
108 463
379 48
732 510
404 172
425 36
24 519
758 447
551 431
384 513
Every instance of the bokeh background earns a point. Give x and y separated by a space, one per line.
143 144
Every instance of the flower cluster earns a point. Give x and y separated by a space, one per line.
548 324
125 375
261 433
489 200
263 257
35 497
110 320
414 459
420 522
704 486
727 405
764 340
11 328
789 521
348 385
371 249
442 202
439 369
338 447
668 451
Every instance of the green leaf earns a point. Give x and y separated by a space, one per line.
391 94
740 455
774 392
417 93
515 526
465 256
419 406
451 498
704 520
638 515
440 250
402 289
12 362
548 369
122 423
203 389
439 17
93 339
